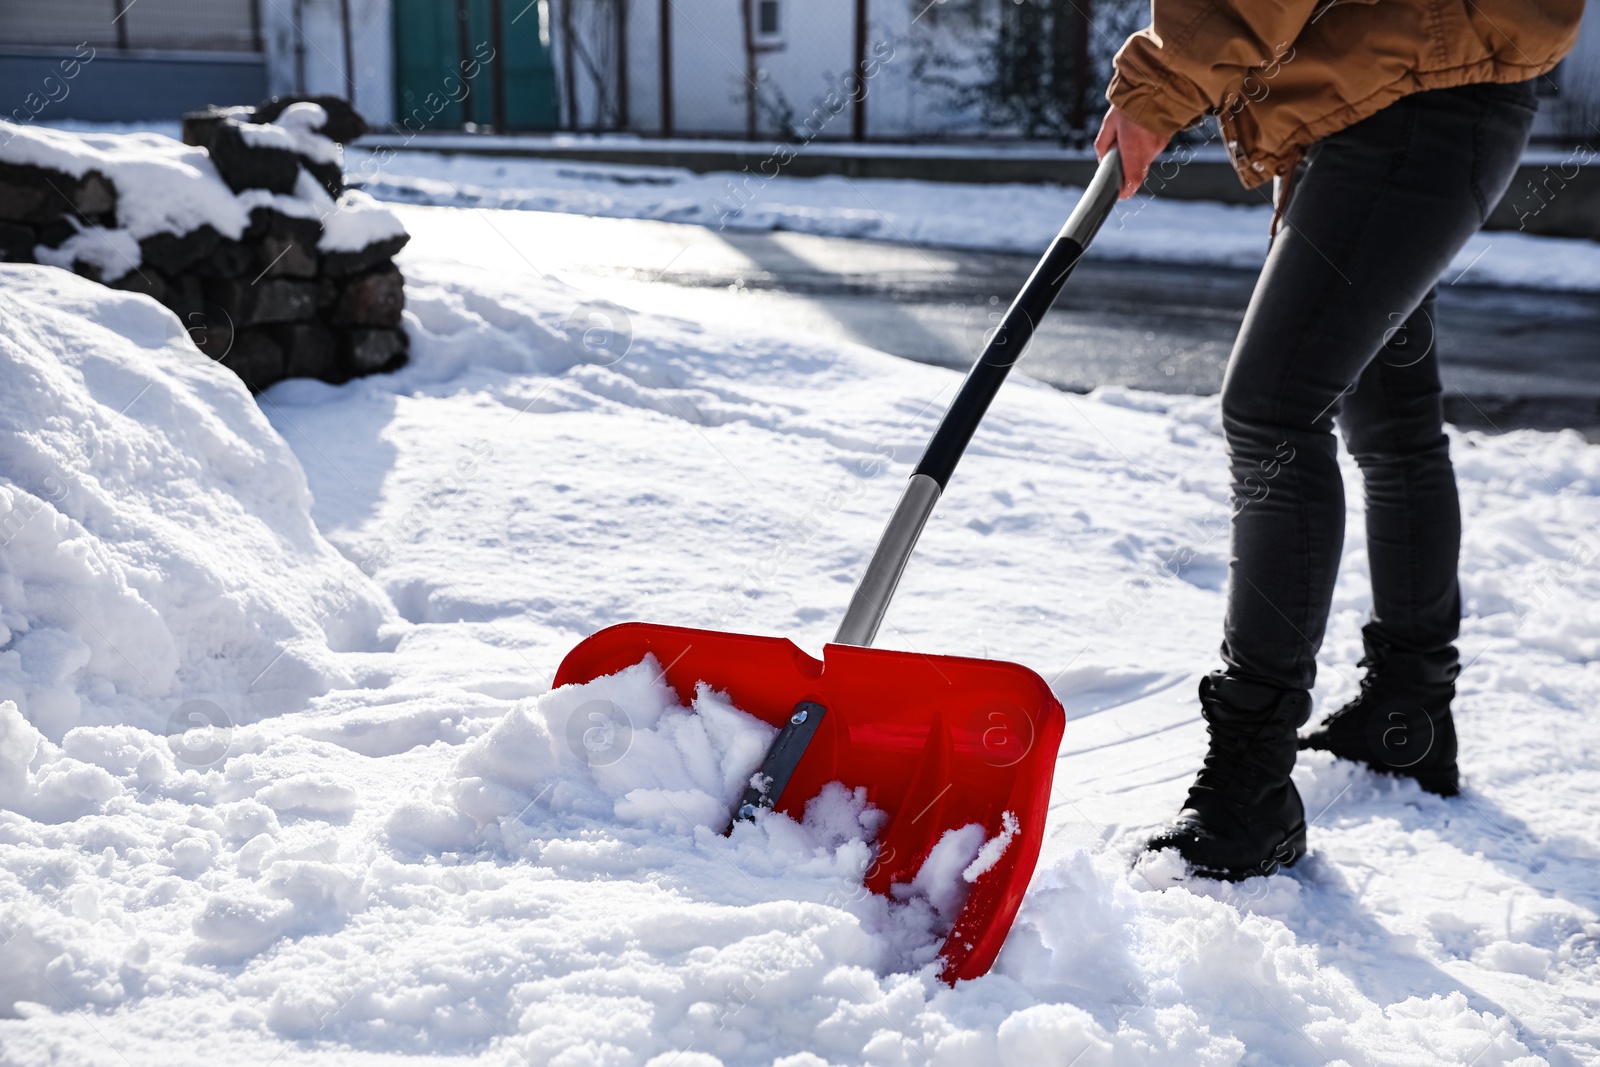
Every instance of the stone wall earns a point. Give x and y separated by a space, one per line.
276 299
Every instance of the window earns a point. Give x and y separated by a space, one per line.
769 19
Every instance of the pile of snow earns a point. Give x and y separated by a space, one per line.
157 543
622 757
619 749
167 187
425 864
1000 217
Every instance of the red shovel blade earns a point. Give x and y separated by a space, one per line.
939 742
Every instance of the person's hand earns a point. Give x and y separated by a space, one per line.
1139 148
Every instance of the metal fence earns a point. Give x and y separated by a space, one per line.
338 47
837 69
883 69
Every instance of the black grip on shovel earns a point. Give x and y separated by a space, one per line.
1005 346
1007 343
768 783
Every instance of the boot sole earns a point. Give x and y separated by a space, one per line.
1286 854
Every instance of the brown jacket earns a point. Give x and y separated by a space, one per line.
1281 74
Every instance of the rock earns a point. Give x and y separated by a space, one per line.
23 199
246 166
344 123
328 175
288 244
211 329
199 126
328 290
172 254
256 358
206 326
39 194
341 119
232 259
372 299
17 242
372 351
184 298
54 234
146 282
339 264
96 198
266 301
311 350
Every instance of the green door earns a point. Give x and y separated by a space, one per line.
436 41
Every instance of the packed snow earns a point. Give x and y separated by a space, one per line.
286 781
1002 217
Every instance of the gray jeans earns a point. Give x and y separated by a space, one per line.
1341 328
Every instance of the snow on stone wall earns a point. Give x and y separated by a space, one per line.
245 232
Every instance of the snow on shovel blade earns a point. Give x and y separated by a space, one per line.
939 743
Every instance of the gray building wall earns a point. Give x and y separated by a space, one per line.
112 86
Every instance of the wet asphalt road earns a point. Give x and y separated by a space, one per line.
1512 358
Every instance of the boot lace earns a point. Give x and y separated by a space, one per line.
1233 765
1369 681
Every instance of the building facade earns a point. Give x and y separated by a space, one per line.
759 69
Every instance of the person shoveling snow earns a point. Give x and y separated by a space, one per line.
954 751
1391 133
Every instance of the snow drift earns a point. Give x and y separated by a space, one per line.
157 543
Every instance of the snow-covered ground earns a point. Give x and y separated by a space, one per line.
285 784
999 217
1013 218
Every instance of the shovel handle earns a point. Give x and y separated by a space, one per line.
1004 347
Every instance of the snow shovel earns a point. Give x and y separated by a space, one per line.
939 742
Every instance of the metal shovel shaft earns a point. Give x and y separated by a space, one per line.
1005 346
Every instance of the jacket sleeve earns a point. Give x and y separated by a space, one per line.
1195 53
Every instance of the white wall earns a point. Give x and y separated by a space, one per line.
709 64
818 57
644 71
373 37
899 104
322 38
708 40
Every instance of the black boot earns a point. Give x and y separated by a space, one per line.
1243 816
1400 722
